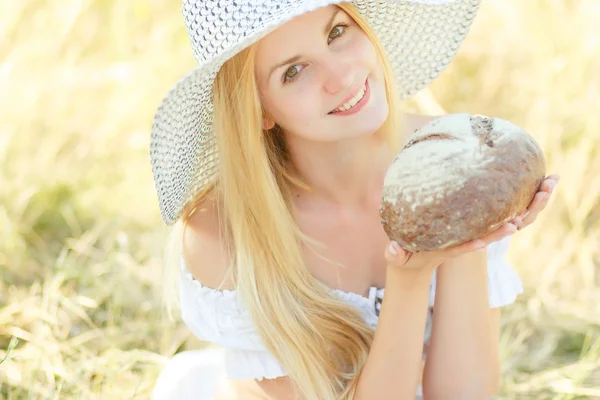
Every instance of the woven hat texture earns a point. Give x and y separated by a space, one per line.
420 37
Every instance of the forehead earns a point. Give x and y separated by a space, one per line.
309 20
288 37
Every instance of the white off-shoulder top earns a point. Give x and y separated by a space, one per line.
220 318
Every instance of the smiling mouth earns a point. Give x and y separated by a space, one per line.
352 102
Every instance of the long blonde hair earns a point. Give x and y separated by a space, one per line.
321 341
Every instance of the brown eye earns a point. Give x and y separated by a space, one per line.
292 72
336 32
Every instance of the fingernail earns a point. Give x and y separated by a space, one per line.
546 197
393 248
518 221
525 215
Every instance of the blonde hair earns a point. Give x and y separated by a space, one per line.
321 341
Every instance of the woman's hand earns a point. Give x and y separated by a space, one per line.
400 258
539 202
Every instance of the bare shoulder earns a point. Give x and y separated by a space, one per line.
203 247
416 121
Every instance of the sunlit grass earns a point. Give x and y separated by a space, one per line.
80 233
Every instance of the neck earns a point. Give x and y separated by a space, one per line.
344 173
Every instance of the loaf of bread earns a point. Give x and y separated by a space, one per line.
459 178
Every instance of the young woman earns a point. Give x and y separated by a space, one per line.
270 157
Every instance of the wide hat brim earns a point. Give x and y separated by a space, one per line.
420 37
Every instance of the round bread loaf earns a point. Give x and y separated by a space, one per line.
458 178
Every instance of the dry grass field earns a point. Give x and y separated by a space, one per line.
81 238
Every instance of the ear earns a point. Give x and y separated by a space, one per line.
268 123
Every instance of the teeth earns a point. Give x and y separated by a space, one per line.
352 102
357 98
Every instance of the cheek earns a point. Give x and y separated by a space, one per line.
294 108
365 52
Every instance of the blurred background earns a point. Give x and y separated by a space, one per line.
81 240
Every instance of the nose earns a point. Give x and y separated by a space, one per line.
338 74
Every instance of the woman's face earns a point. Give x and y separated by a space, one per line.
320 78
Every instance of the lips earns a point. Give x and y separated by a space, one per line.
351 100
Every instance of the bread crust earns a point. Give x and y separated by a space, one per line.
458 178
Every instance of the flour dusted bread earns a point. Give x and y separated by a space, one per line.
458 178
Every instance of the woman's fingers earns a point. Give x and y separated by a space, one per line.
396 256
400 258
538 203
549 183
467 247
482 242
540 200
500 233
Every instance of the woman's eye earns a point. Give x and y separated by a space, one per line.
336 32
292 72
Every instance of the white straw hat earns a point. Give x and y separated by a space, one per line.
420 37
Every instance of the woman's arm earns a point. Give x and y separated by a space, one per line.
465 330
394 362
462 358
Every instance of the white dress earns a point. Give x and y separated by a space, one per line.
219 317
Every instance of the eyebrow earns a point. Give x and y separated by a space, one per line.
297 58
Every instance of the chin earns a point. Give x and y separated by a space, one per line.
371 121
